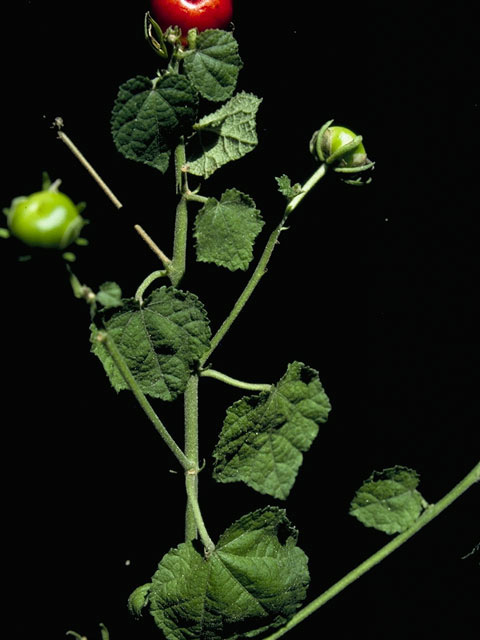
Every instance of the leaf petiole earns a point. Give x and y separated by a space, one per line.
147 282
248 386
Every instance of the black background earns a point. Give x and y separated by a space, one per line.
376 288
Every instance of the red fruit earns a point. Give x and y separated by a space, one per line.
187 14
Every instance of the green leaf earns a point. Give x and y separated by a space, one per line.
149 114
109 295
388 500
264 435
139 599
213 66
160 341
255 579
225 231
225 135
286 188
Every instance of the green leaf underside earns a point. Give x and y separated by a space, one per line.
225 231
255 579
161 341
148 115
264 435
388 500
213 66
225 135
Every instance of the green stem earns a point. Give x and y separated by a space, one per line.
309 184
191 486
247 292
193 517
191 451
147 282
195 197
249 386
122 366
261 267
177 267
427 516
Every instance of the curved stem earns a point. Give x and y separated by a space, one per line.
249 386
427 516
147 282
122 366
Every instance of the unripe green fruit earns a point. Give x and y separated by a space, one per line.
47 219
335 138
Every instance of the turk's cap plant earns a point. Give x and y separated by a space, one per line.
159 345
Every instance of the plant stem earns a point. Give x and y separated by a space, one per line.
79 155
156 250
122 366
309 184
191 451
191 486
177 267
147 282
431 512
247 292
193 518
249 386
261 267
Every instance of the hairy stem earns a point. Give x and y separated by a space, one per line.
122 366
191 451
79 155
248 386
247 292
431 512
177 267
261 267
194 523
156 250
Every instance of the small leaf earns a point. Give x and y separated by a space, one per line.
160 341
286 188
139 599
388 500
149 114
104 632
213 66
255 579
263 435
225 231
225 135
110 295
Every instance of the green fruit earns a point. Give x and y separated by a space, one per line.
46 219
335 138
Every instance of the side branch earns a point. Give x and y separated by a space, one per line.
427 516
141 398
79 155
